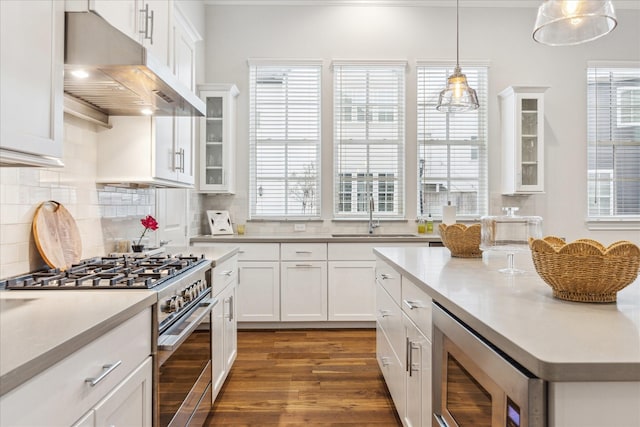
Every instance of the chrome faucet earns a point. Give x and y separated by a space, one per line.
372 226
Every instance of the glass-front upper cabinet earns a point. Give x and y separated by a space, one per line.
522 126
218 139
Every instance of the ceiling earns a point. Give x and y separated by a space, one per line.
619 4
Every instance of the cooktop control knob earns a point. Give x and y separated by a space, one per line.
187 295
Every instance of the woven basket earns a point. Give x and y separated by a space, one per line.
585 270
462 241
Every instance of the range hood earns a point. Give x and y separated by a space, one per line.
107 71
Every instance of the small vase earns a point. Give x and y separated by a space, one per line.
137 248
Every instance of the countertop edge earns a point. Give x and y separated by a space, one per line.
312 239
35 366
548 371
229 254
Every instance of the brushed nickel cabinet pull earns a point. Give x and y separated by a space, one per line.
107 370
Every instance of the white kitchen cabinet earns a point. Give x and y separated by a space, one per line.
351 286
64 394
31 83
146 21
224 326
417 411
258 291
303 291
129 404
218 139
403 332
522 127
141 150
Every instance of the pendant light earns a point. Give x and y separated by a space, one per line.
571 22
457 96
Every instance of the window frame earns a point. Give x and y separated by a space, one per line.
371 182
479 150
613 220
254 145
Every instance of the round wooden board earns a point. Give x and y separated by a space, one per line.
56 235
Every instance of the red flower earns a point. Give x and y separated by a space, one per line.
149 223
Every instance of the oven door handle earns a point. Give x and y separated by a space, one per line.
170 342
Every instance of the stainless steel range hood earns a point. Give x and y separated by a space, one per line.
121 77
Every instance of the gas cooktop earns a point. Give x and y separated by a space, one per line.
113 272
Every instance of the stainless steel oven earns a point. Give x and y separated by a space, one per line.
184 367
474 385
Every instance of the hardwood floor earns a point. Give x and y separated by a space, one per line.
305 378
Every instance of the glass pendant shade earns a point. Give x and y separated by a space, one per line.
457 96
565 22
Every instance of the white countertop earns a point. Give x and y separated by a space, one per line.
41 327
556 340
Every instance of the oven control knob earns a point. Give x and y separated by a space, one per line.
166 306
179 303
187 295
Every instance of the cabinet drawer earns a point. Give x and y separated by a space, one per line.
259 252
303 251
389 279
223 274
62 392
417 305
389 320
392 370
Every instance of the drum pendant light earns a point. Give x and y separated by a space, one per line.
457 96
571 22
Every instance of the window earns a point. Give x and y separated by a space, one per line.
369 139
613 142
284 138
452 147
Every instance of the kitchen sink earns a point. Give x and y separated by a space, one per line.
372 235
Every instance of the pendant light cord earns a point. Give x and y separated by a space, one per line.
457 34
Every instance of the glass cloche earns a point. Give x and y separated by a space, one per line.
509 233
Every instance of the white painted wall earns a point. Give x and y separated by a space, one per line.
500 35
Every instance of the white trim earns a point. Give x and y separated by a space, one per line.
452 62
595 223
613 64
370 63
257 62
186 24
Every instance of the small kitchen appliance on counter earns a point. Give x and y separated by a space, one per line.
509 233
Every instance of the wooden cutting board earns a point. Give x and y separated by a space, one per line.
56 235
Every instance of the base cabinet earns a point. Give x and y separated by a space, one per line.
418 377
129 404
224 324
403 337
258 291
352 290
303 288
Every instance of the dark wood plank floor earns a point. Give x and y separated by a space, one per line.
305 378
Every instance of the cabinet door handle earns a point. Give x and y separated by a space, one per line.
411 368
385 276
412 304
385 361
227 273
303 252
151 27
304 265
145 19
107 370
441 422
384 313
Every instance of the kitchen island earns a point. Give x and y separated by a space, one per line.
588 353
